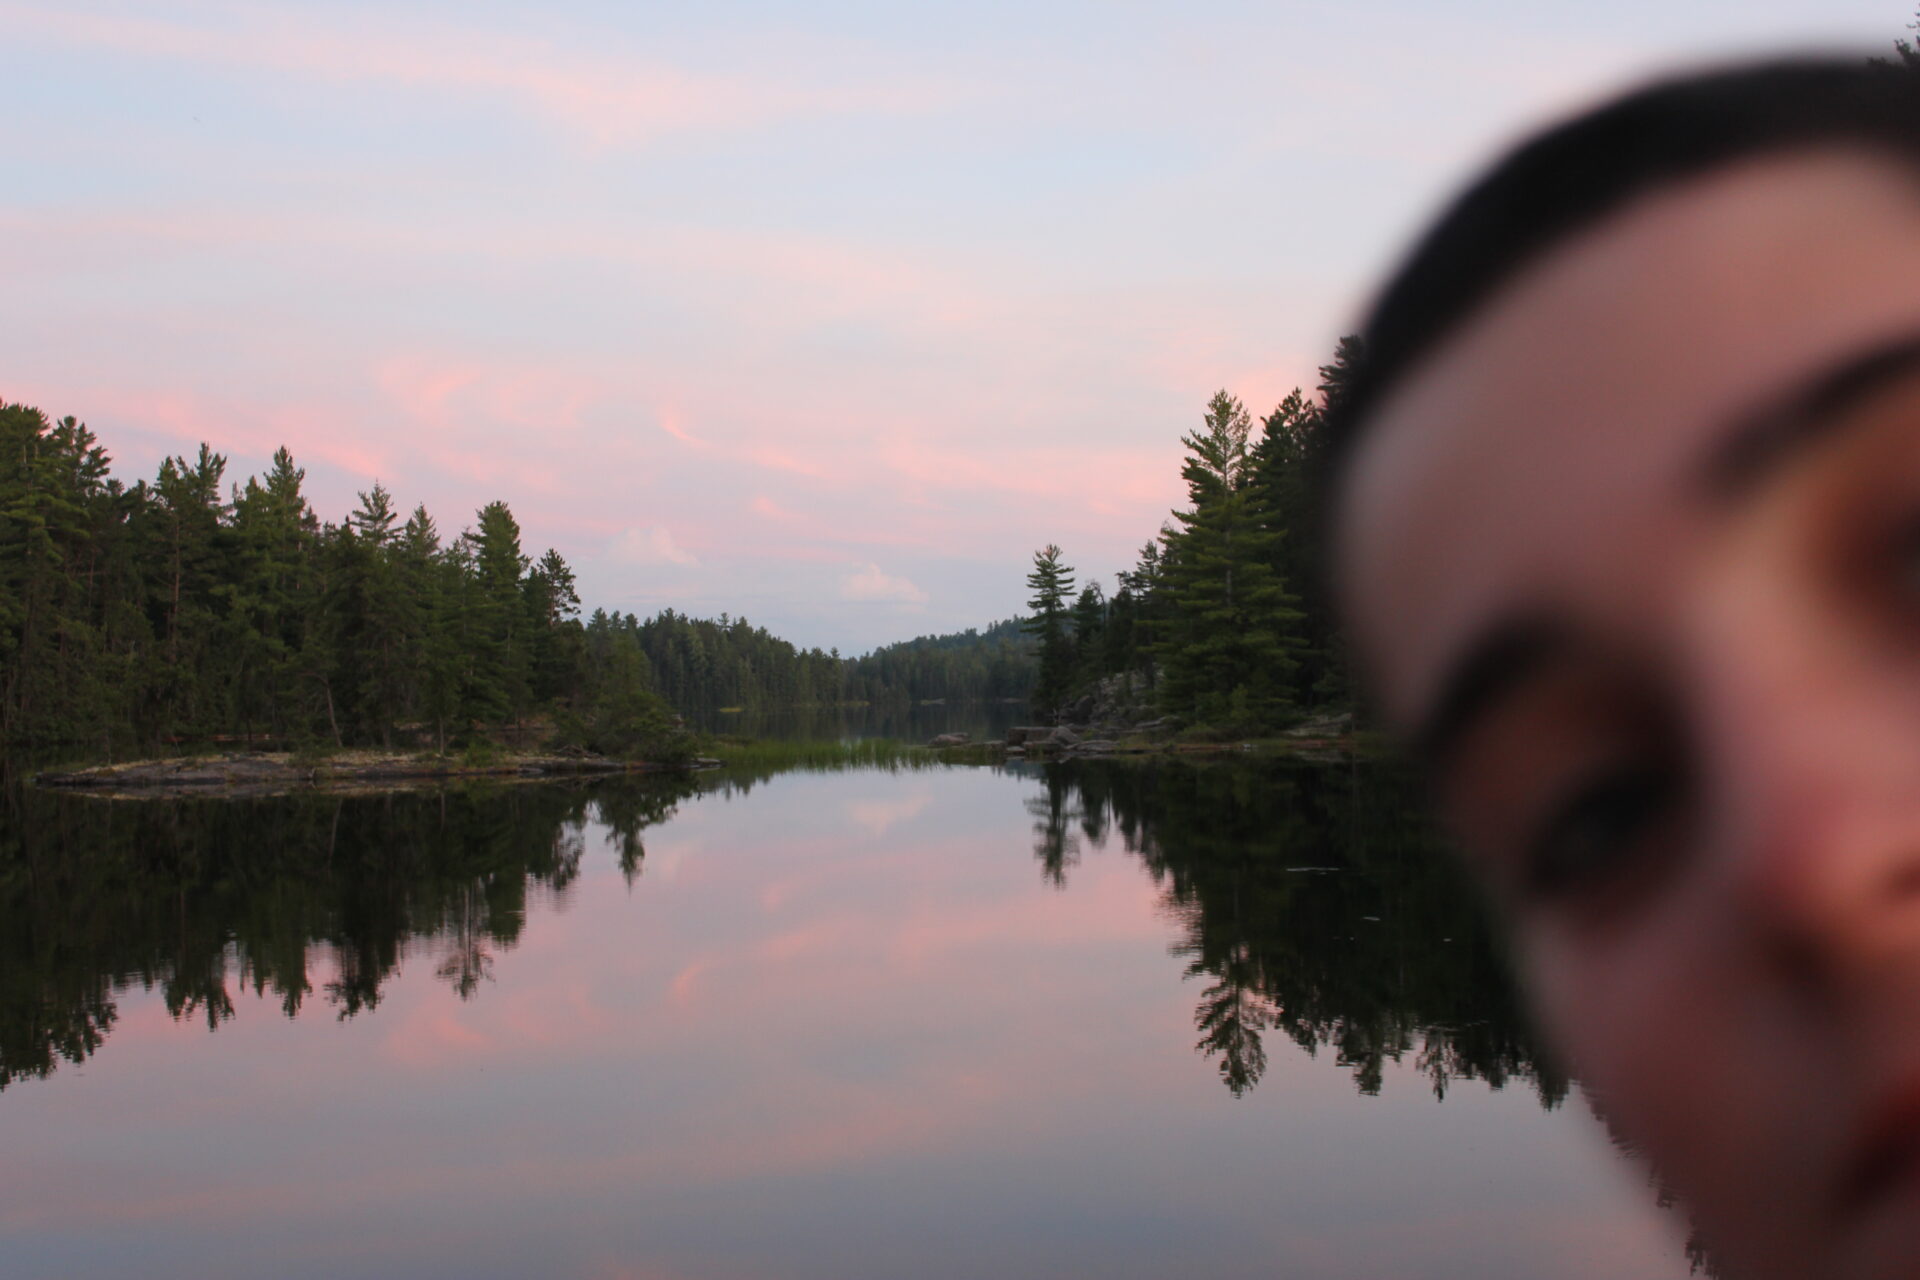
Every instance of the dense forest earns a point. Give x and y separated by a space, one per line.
1223 621
188 608
705 665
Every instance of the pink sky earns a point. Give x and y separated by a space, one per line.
827 323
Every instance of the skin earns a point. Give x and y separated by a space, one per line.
1697 800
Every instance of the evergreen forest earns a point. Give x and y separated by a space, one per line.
191 608
1223 623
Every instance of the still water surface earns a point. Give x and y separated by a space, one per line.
1048 1021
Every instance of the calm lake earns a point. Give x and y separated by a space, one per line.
1078 1020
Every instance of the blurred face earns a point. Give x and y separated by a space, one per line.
1635 558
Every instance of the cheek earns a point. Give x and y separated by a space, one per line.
1636 1026
1669 1039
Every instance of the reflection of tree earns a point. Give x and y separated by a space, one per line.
626 812
194 896
1055 843
1312 900
468 962
1232 1014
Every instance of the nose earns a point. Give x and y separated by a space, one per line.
1810 760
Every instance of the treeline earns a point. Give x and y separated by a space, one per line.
1223 620
189 608
996 664
704 665
185 608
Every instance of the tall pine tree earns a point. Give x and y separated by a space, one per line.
1052 584
1227 650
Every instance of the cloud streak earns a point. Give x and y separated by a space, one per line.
603 98
868 585
654 546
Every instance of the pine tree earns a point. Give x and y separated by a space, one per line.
432 656
497 630
553 609
266 602
191 516
1227 651
1089 634
1051 583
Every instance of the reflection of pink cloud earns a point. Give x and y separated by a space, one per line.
556 1017
431 1037
1102 908
822 938
875 817
1110 903
622 1269
681 989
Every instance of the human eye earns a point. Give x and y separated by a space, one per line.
1605 828
1903 560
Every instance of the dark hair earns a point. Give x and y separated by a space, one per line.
1576 173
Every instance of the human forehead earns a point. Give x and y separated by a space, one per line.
1543 455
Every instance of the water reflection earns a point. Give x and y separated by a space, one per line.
623 1029
902 722
1314 901
194 897
1311 900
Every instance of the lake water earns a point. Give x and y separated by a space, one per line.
902 722
1093 1020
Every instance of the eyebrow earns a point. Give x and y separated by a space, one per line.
1759 443
1509 654
1751 450
1491 670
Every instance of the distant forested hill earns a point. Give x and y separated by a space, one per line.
704 664
962 666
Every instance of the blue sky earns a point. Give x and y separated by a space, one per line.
824 314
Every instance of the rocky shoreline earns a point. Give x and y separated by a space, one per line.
1328 737
272 773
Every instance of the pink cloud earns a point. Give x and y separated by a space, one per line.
672 422
869 585
603 97
649 546
182 419
780 460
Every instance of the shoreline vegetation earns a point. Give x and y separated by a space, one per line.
138 620
243 775
1224 626
250 774
193 608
